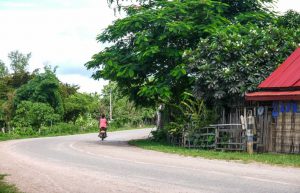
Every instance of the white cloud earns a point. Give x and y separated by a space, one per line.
86 84
285 5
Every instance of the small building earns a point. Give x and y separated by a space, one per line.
277 108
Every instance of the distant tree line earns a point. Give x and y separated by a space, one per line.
37 102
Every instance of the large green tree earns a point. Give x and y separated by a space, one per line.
236 59
80 104
43 88
10 82
146 47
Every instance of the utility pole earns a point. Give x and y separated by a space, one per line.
110 105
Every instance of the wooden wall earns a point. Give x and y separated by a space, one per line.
279 133
286 132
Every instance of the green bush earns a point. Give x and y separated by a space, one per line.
24 131
65 128
116 123
86 122
190 115
35 115
159 135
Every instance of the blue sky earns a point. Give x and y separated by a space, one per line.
57 32
63 33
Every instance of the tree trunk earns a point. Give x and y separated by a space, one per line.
159 120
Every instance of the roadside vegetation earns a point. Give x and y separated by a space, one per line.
71 131
265 158
36 104
5 187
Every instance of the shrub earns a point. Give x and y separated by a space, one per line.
86 122
159 135
35 115
64 128
116 123
24 131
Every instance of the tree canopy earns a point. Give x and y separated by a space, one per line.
19 61
42 88
237 58
3 69
34 114
145 56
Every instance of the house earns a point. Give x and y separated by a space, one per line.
277 108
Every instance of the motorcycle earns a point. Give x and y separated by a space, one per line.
102 133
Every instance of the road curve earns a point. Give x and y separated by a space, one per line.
82 163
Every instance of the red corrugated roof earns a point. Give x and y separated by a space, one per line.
286 75
273 96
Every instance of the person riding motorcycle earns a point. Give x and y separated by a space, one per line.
102 125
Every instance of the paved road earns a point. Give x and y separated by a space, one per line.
82 163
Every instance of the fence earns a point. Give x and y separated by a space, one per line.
227 137
200 138
230 137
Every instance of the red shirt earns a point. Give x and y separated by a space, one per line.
103 123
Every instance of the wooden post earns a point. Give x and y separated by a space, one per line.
244 128
159 121
243 122
216 137
223 116
250 127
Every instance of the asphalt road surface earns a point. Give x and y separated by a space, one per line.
83 163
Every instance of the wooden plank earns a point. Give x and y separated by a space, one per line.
229 149
223 125
278 132
297 133
230 143
293 133
265 129
288 135
270 130
282 133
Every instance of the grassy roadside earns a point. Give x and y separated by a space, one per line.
5 187
7 137
129 128
266 158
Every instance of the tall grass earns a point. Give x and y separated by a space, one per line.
266 158
5 187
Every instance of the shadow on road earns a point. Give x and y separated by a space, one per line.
115 143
